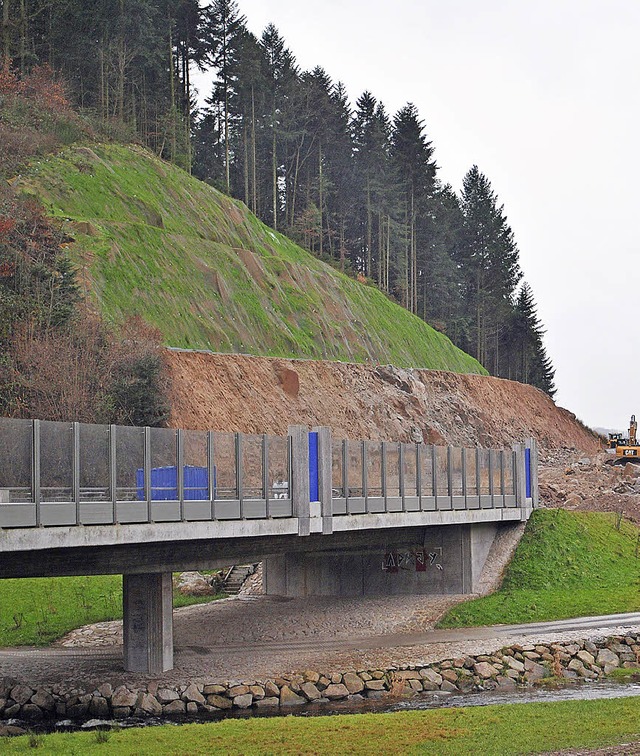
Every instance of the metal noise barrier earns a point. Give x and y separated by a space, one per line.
57 473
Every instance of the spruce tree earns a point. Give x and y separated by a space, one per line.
488 255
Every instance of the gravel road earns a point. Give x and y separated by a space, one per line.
263 637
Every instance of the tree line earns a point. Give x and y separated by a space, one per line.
354 184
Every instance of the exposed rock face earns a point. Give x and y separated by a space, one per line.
265 395
505 669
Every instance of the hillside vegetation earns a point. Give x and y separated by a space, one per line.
568 564
155 242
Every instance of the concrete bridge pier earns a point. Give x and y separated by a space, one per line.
148 622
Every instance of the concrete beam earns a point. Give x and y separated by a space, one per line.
96 536
147 602
145 557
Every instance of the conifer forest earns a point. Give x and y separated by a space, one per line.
356 185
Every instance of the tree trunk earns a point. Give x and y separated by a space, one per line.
274 169
172 92
369 234
188 105
23 36
320 197
254 192
6 34
245 145
122 64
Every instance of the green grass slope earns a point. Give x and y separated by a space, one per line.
499 730
568 564
37 611
153 241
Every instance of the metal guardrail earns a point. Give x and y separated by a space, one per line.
65 474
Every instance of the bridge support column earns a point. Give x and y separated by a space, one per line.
148 622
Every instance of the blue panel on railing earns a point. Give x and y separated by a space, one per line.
314 494
164 483
527 467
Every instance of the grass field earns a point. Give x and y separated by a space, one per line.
37 611
490 730
568 564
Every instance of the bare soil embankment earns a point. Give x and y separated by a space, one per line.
265 395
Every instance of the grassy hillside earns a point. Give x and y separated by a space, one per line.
568 564
155 242
37 611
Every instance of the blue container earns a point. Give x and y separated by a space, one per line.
164 483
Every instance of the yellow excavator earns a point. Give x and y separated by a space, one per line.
627 449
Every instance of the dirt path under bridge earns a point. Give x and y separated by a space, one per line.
263 637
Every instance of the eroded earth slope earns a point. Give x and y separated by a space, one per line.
378 402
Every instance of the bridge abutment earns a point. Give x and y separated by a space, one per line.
441 560
148 622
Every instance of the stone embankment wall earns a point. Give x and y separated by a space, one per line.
506 669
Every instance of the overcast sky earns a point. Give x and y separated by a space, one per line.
545 98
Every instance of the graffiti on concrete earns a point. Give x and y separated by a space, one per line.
418 560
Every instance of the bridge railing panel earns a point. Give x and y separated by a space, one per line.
392 463
355 476
509 478
457 463
409 477
279 476
472 496
427 478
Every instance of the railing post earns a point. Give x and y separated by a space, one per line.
419 475
211 474
300 477
75 469
383 473
265 473
345 474
401 473
325 482
520 475
434 474
450 475
113 476
491 486
147 470
36 483
239 472
180 471
533 446
365 476
463 461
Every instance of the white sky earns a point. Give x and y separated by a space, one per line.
545 98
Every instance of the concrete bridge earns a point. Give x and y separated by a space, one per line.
326 516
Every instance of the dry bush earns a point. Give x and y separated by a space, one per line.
40 85
47 89
140 387
61 375
86 372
